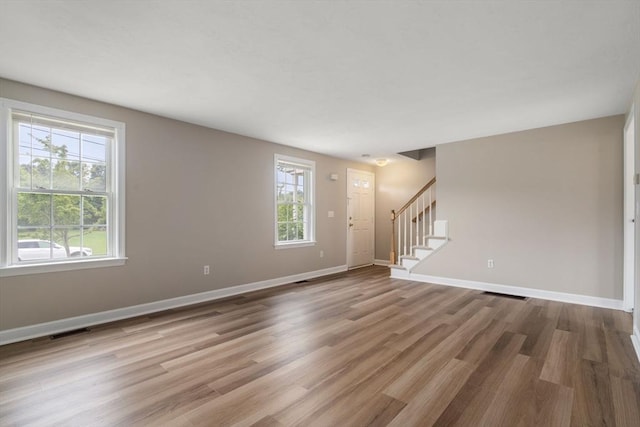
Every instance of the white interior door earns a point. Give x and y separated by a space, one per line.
360 215
629 214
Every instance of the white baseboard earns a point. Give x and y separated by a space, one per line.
49 328
383 262
519 291
635 340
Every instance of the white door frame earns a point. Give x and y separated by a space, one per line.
628 272
349 242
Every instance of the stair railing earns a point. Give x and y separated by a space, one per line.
412 224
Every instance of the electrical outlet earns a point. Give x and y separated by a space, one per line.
489 263
206 270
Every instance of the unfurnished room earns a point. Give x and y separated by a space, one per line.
319 213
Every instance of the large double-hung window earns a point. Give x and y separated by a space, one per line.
63 202
294 198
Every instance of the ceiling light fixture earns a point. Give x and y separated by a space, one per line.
382 162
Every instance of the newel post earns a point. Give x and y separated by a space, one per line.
392 254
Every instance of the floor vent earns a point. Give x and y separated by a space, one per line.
497 294
68 333
301 281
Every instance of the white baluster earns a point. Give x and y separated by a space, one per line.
405 233
424 242
430 208
399 247
410 228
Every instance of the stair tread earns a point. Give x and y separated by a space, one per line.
399 267
437 237
409 257
427 248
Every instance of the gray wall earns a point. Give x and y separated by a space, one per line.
544 204
396 183
195 196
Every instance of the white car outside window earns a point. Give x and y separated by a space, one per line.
43 249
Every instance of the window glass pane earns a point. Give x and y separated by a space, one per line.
288 176
24 171
290 191
282 213
66 174
300 194
40 139
41 172
63 236
94 148
292 231
94 210
94 241
24 138
65 144
94 176
34 209
66 209
282 231
280 193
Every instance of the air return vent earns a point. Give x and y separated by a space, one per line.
69 333
496 294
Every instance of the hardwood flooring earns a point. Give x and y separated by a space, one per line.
354 349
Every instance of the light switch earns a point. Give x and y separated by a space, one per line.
331 214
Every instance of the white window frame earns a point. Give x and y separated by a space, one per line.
311 187
8 196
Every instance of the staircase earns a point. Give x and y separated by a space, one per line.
415 232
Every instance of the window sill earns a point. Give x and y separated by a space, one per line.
20 270
294 244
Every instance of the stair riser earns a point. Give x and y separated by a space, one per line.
422 253
409 263
436 243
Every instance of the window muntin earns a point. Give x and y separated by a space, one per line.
294 199
65 186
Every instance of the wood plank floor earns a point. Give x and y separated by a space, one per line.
354 349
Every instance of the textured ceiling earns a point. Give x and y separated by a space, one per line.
341 78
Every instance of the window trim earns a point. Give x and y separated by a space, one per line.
311 241
8 210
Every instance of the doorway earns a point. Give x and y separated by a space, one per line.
629 213
361 218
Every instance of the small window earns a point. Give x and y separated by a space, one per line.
294 200
63 202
